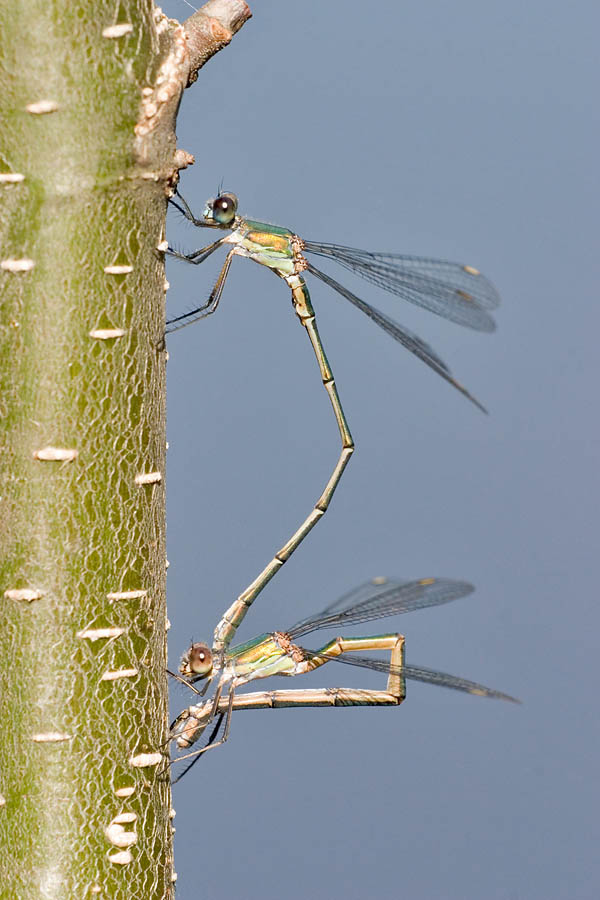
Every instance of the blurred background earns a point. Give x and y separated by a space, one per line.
469 132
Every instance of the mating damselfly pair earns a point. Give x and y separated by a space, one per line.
454 291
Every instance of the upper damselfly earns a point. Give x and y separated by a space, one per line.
454 291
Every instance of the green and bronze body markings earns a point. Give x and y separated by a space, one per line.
454 291
277 653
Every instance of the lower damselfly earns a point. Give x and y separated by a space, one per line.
454 291
277 653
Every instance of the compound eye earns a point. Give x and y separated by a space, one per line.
224 209
200 659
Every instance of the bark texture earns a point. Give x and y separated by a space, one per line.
88 97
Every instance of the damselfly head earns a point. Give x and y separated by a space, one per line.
222 210
197 662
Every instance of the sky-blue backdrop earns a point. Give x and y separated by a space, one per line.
467 131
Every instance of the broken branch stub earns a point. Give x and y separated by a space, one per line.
210 29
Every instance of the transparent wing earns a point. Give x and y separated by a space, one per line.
416 673
456 292
371 589
376 601
405 337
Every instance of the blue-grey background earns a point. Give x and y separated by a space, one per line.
466 131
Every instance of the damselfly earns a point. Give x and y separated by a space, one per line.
455 292
278 654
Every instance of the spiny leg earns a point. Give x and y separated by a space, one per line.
188 683
207 308
186 211
198 256
233 617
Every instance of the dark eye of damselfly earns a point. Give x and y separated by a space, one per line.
224 209
200 659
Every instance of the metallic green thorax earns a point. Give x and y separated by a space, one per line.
267 228
259 658
266 244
